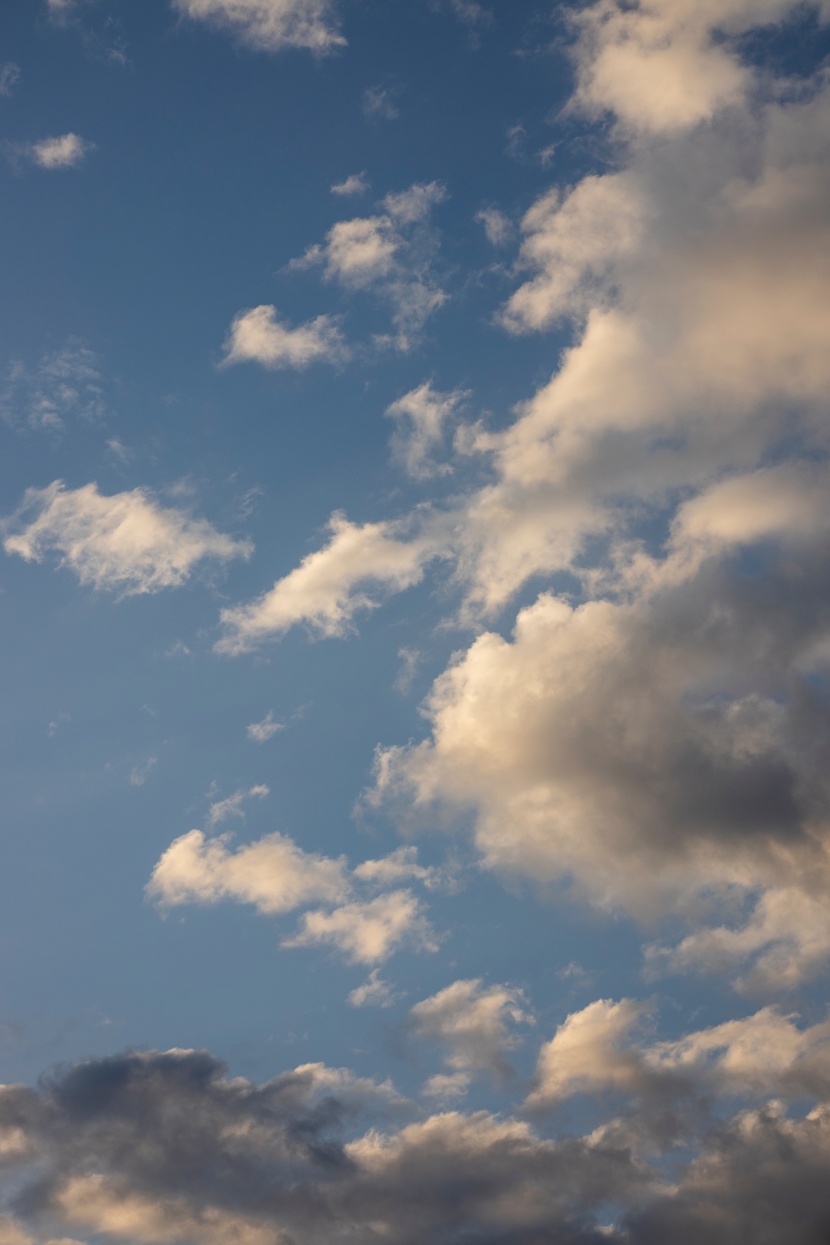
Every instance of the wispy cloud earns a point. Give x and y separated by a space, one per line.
271 25
127 543
10 75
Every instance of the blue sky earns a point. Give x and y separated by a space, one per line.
415 599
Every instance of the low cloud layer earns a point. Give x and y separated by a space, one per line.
168 1147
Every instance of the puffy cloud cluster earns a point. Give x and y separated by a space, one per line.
276 876
127 542
272 24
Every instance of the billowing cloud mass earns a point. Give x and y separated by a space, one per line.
168 1147
126 543
272 24
258 336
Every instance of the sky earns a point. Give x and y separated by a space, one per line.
415 595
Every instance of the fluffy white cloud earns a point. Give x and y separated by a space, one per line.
126 542
59 153
473 1022
272 24
422 417
660 66
331 585
603 1048
367 933
273 874
258 336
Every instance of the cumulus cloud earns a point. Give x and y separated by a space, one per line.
126 542
271 25
258 336
422 417
273 874
331 585
661 66
62 152
367 933
473 1022
389 255
168 1147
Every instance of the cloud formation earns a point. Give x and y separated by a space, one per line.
270 25
258 336
330 586
168 1147
389 255
126 542
62 152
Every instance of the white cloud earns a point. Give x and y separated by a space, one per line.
396 867
354 184
273 874
422 417
232 805
374 992
661 66
272 24
330 586
473 1022
258 336
389 255
498 228
62 152
367 933
591 1052
126 542
261 732
10 75
603 1048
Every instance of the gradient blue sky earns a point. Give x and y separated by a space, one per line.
496 336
